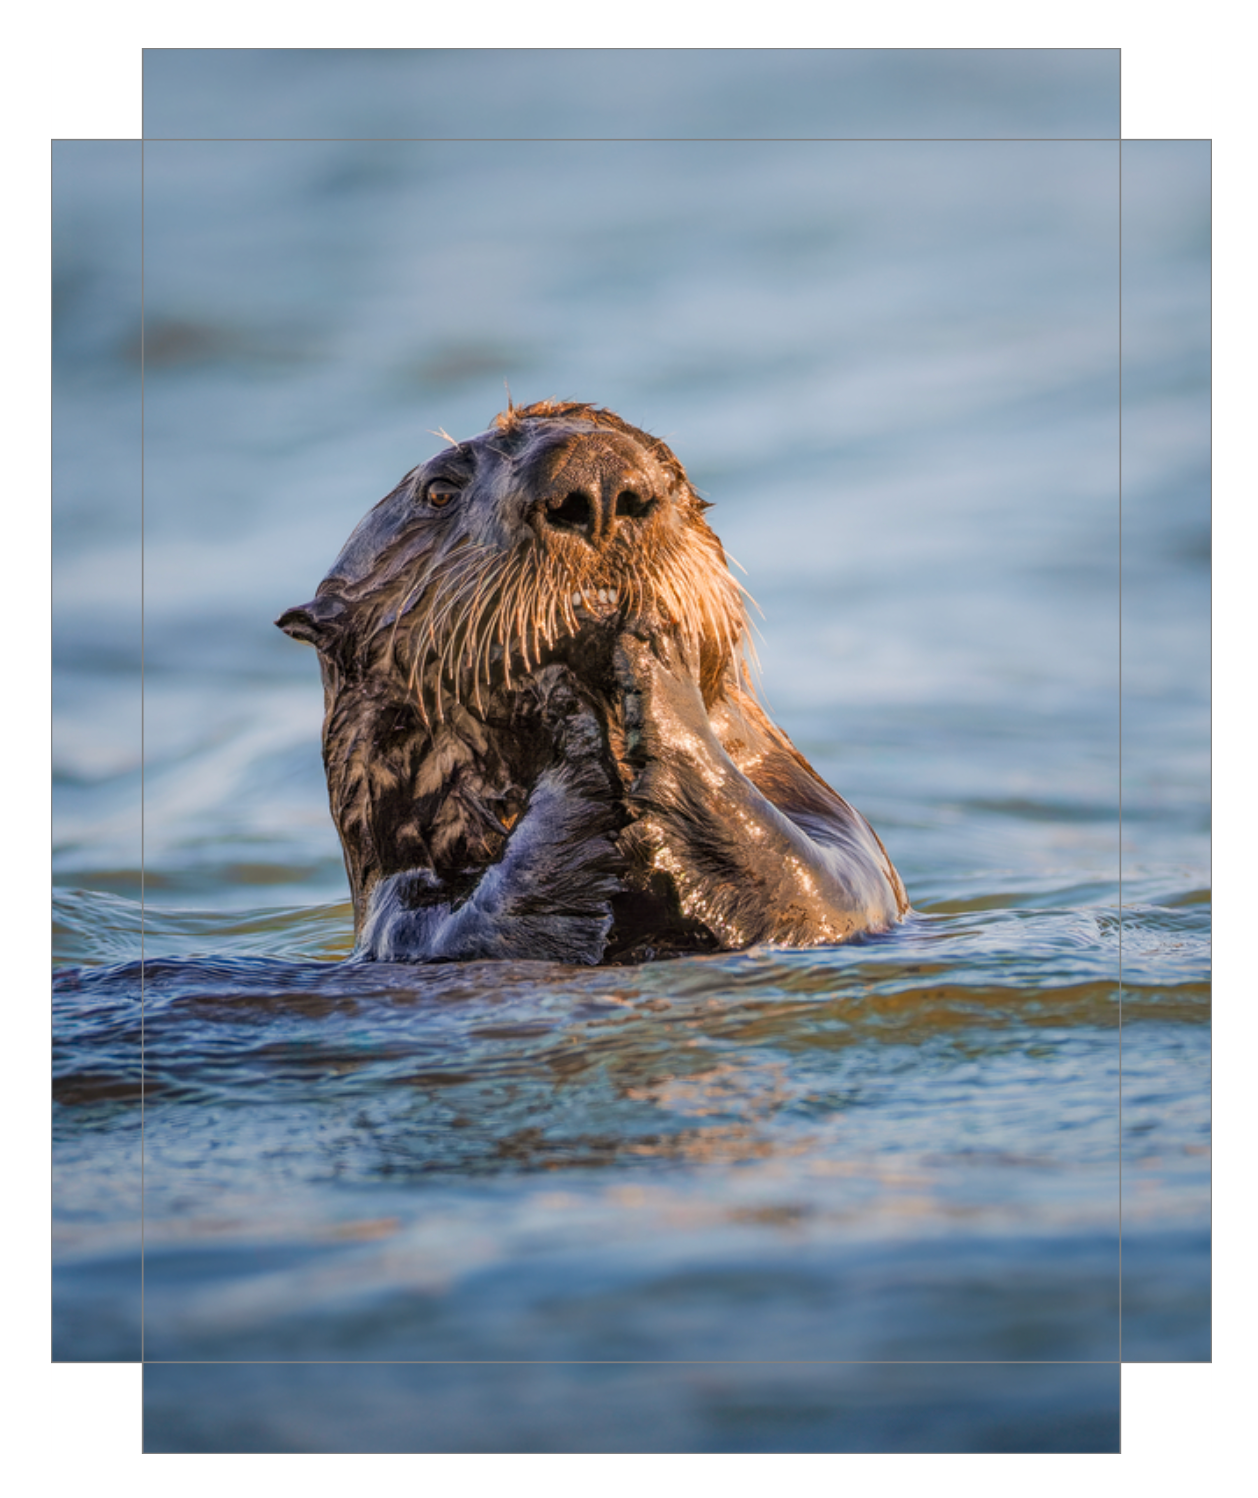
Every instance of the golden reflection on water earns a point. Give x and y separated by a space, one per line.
725 1088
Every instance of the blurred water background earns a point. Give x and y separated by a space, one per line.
834 1181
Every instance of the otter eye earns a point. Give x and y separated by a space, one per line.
440 492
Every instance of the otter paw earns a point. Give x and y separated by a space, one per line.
568 715
667 733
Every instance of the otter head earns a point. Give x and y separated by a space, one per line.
536 541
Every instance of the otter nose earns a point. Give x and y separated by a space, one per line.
593 513
593 485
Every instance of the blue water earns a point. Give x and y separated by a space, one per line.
893 366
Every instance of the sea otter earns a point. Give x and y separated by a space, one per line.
539 734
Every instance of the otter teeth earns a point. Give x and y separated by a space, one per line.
587 600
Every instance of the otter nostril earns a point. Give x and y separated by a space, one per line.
575 513
633 505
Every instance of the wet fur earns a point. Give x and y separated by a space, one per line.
514 776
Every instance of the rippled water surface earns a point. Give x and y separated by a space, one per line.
893 367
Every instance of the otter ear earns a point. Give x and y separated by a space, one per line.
317 622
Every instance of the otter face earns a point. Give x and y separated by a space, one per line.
533 542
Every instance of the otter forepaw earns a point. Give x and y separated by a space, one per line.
667 732
569 716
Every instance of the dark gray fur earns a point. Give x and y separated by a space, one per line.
582 785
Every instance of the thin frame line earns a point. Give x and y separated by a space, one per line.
142 755
633 1362
602 140
1120 752
1048 140
1120 742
